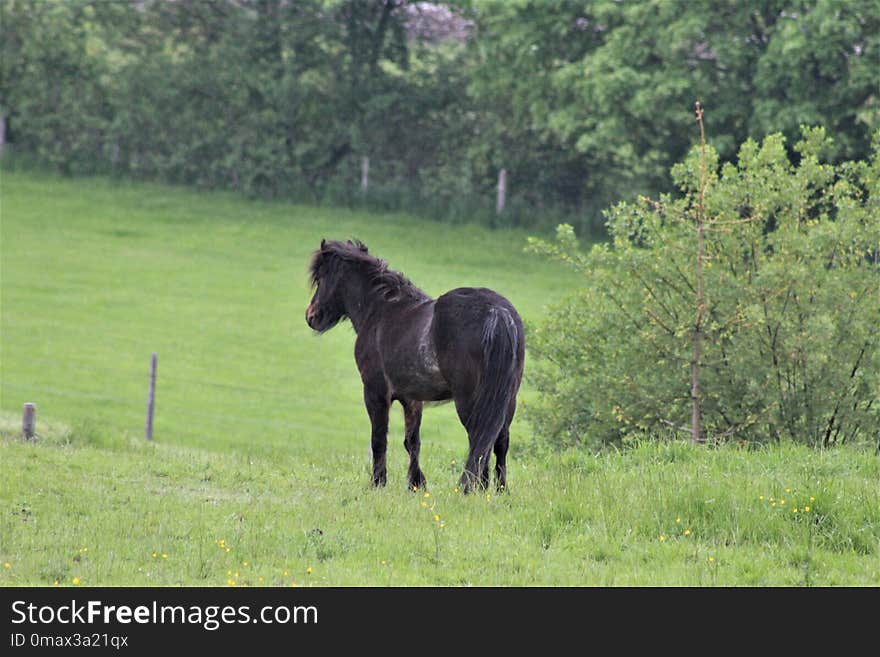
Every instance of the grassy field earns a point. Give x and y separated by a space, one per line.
259 471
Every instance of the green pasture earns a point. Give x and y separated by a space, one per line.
98 275
259 470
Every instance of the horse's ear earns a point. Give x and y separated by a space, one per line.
323 243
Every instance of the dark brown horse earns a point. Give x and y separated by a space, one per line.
467 345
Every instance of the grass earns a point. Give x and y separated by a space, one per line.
259 472
98 275
658 514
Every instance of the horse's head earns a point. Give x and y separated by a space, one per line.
327 272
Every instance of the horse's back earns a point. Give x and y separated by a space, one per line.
468 308
461 319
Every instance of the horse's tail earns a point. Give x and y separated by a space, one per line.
501 347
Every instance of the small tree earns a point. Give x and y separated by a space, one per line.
749 302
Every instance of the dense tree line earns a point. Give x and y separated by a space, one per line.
583 103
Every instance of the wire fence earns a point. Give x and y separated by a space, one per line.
131 409
178 422
76 362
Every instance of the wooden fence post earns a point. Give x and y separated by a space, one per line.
29 421
365 173
151 399
501 199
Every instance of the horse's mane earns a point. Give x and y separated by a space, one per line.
389 284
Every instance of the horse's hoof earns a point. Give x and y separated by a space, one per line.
470 482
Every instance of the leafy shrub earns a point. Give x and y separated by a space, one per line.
788 324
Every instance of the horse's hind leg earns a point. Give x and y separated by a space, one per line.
501 446
484 473
412 417
476 468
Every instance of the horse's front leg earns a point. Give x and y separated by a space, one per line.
377 403
412 418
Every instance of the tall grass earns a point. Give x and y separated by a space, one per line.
657 514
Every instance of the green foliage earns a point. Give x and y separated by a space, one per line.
791 282
596 94
51 90
584 104
264 97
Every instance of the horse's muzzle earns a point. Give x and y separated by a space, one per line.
311 311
